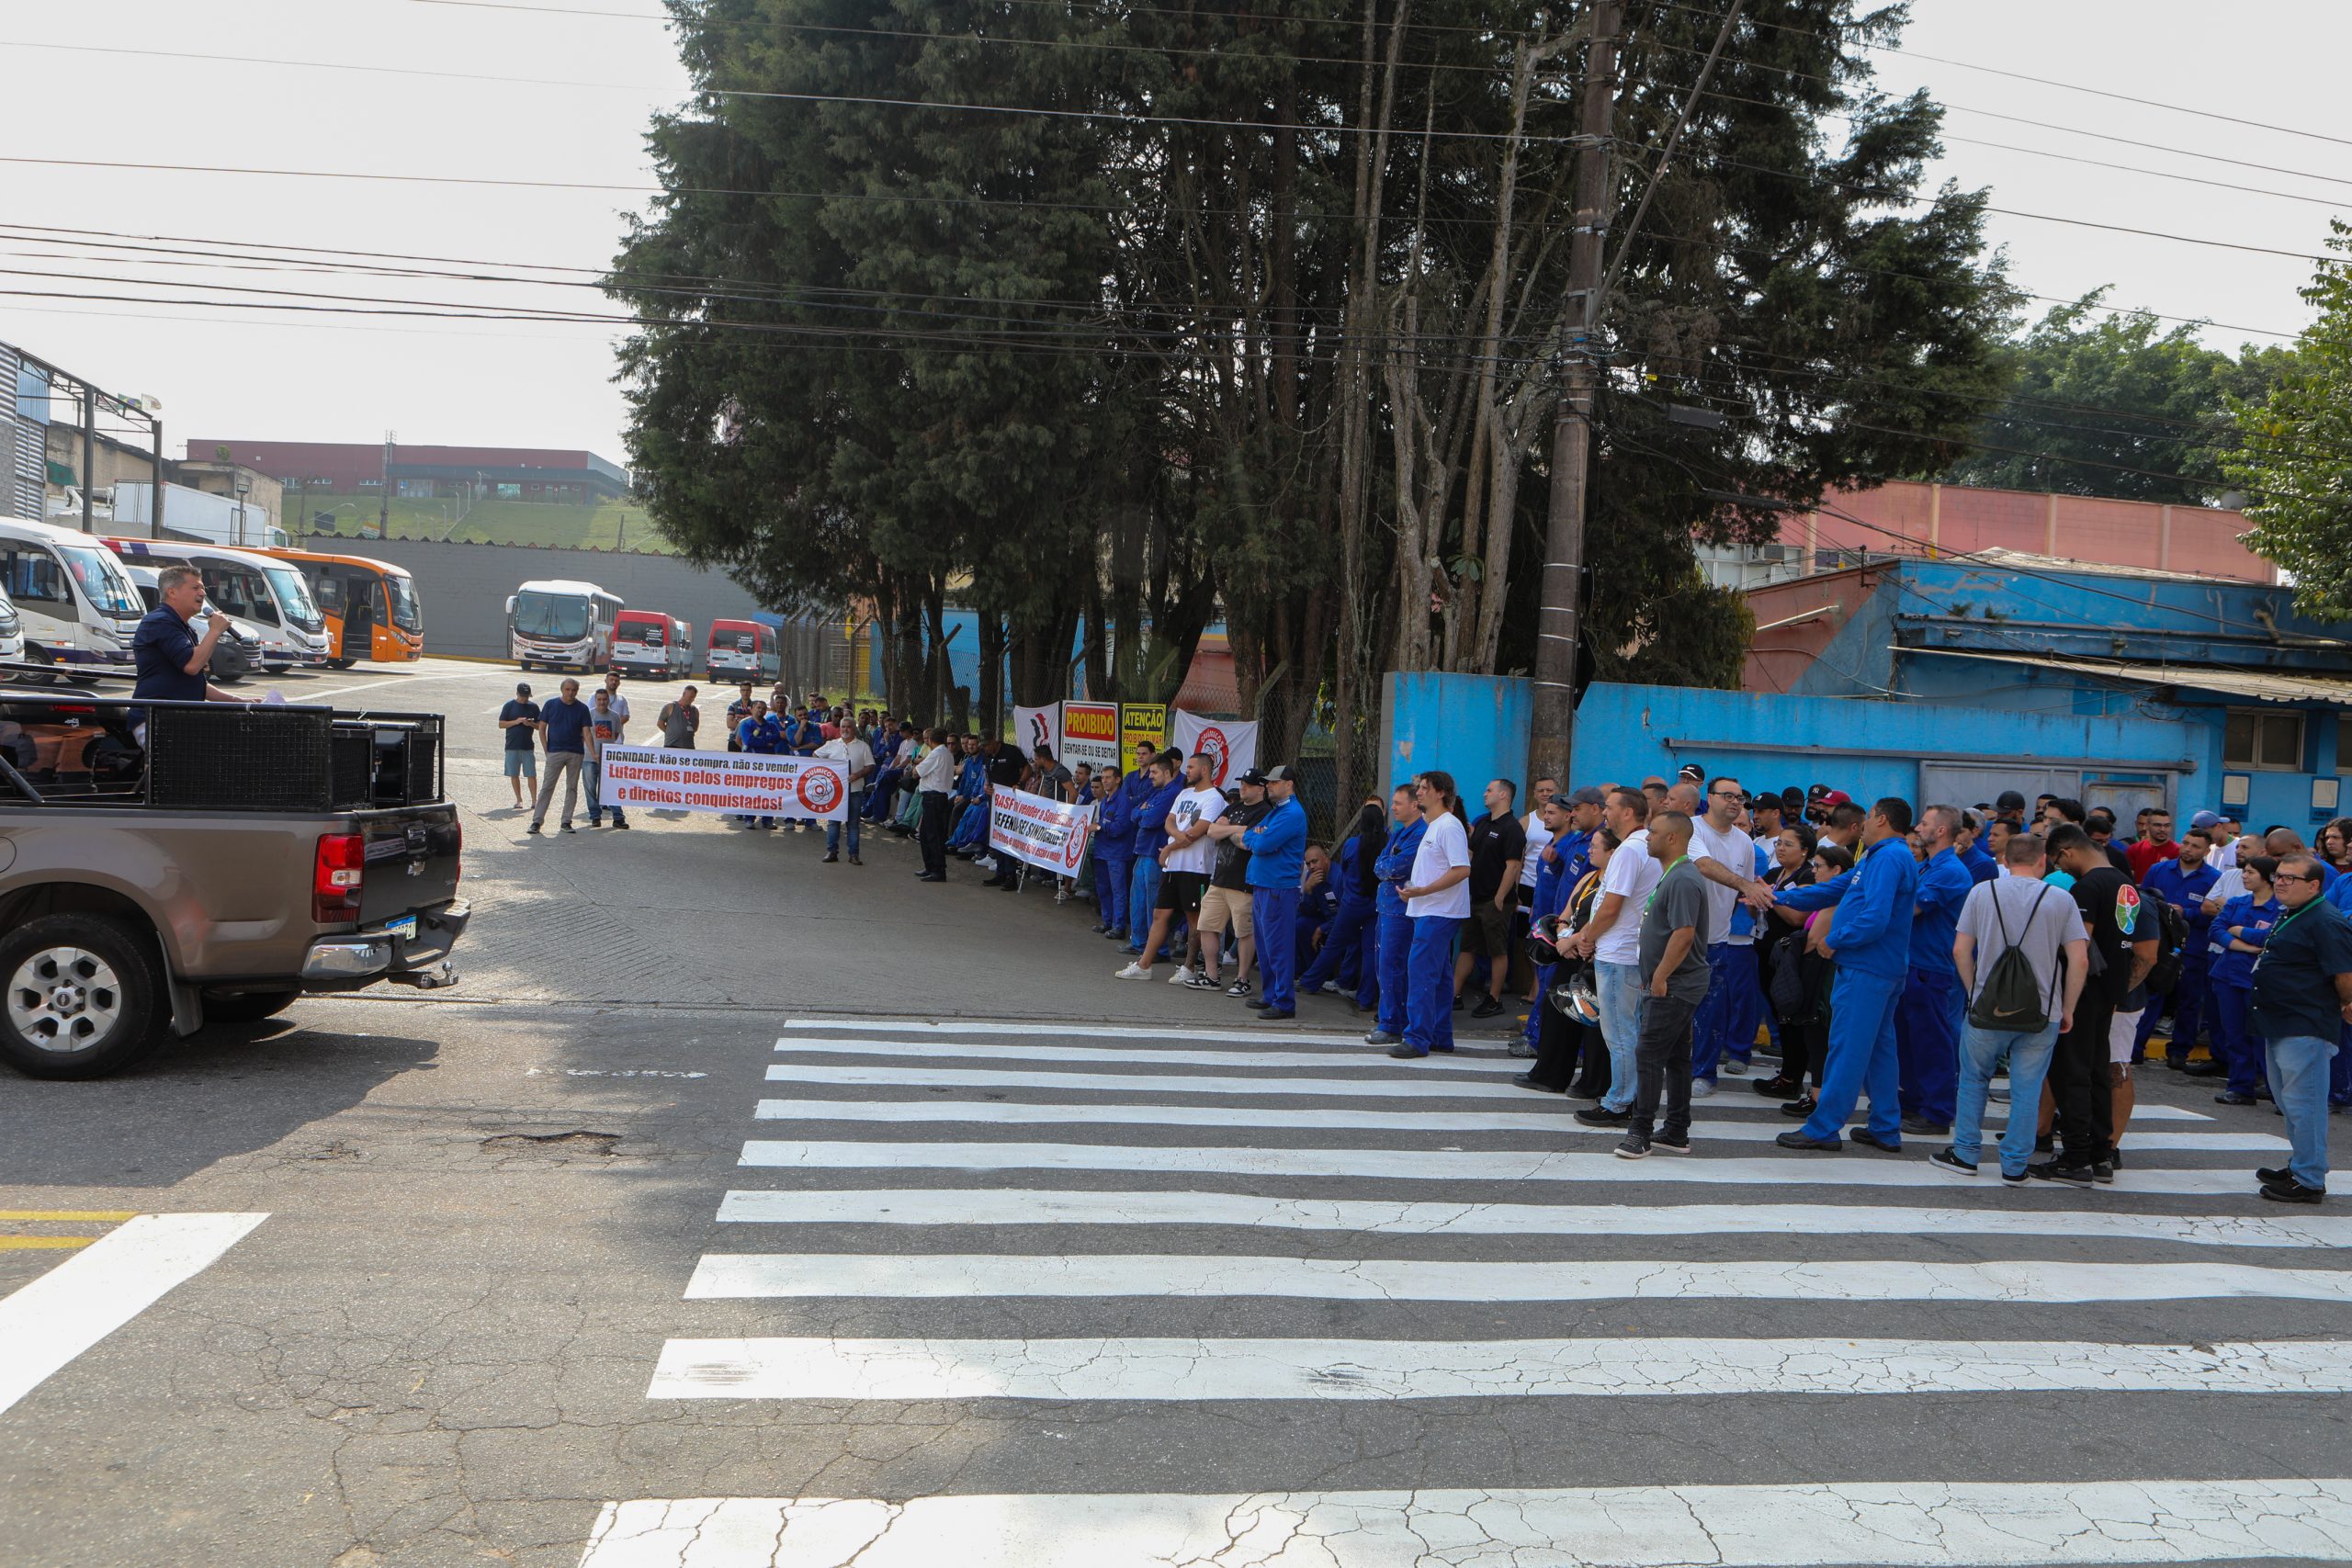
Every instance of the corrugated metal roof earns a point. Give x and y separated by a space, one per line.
2263 685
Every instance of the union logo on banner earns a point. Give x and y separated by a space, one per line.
819 789
1074 849
1219 751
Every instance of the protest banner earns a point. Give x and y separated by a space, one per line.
1033 728
1090 734
1231 745
735 784
1045 834
1140 721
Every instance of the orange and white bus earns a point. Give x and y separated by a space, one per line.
370 606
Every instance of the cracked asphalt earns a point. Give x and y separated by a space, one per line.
485 1206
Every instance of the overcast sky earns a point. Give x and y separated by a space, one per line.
271 375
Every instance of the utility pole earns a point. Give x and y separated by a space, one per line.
89 449
384 502
1559 624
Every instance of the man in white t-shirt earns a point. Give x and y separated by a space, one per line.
1437 900
1538 836
1185 861
1722 853
856 760
2224 835
1612 941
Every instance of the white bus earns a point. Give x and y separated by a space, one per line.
268 597
74 603
562 625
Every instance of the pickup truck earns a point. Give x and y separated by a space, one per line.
167 864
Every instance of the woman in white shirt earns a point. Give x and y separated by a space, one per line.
1437 900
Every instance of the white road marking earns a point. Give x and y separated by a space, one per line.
1017 1206
1873 1524
1532 1118
920 1027
1403 1083
611 1073
1853 1168
1160 1370
932 1275
304 694
44 1324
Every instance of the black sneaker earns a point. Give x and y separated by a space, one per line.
1667 1144
1239 989
2067 1171
2045 1143
1943 1159
1527 1080
1797 1139
1600 1116
829 860
2103 1172
2115 1158
2292 1192
1779 1087
532 828
1488 1007
2231 1097
1802 1109
1926 1128
1257 1004
1864 1137
2271 1176
2019 1179
1639 1148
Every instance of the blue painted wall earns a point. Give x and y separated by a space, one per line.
1625 733
1474 727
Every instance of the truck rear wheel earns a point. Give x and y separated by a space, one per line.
82 997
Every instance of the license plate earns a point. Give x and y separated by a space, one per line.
404 927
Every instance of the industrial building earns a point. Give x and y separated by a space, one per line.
348 468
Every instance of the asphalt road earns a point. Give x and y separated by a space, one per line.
680 1213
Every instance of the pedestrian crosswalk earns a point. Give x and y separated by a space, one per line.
1253 1299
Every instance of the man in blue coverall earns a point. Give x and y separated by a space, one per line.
1928 1020
1392 868
1114 850
1277 846
2183 882
1152 837
1870 939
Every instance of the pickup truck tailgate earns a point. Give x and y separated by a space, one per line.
412 861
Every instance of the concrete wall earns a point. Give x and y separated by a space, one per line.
1474 727
464 587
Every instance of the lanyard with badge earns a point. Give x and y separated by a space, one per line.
2284 920
1660 883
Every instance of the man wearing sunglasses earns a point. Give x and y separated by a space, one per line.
2302 997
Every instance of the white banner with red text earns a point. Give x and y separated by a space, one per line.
1231 745
1048 834
736 784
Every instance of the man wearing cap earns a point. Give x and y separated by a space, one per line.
2223 830
1277 847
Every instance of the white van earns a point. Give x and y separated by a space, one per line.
76 604
238 653
268 596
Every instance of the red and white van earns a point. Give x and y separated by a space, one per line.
647 642
742 651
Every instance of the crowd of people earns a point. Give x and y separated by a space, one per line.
1642 944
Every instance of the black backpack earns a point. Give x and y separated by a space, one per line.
2012 1000
2172 940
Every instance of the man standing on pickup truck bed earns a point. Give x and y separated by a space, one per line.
170 658
563 726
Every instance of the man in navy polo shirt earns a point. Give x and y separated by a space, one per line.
170 658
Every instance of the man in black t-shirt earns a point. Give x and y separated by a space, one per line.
1228 902
520 720
1497 845
2083 1076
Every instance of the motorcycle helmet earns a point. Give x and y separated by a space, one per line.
1577 999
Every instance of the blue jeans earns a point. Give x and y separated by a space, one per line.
1143 892
1272 912
2234 1032
1980 1051
1926 1042
1725 1025
1350 928
2299 1066
1428 981
1623 998
1395 968
596 807
834 837
1860 1055
1111 874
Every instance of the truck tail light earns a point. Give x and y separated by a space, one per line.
336 876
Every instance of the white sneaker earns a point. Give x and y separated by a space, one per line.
1184 972
1701 1089
985 863
1133 972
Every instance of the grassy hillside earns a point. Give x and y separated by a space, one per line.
608 526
